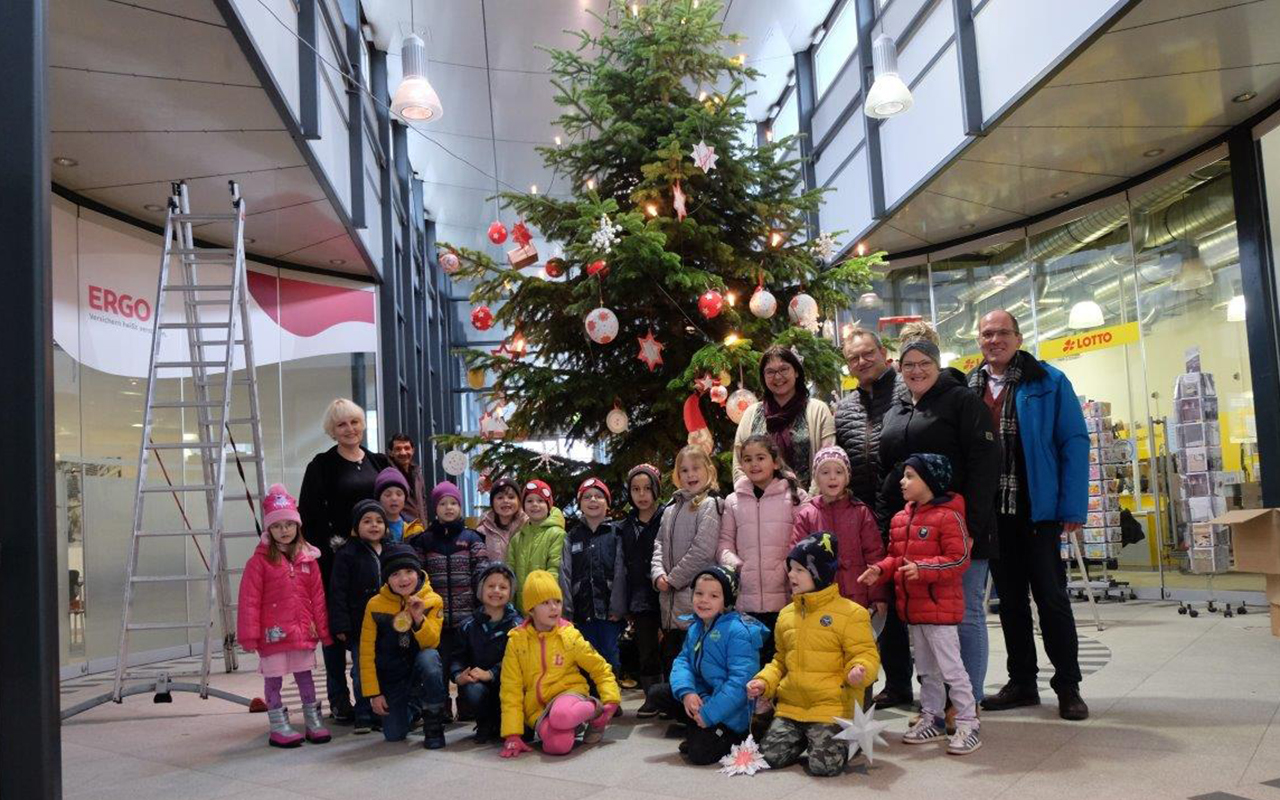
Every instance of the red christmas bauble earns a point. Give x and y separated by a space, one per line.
481 318
555 267
711 303
598 267
497 232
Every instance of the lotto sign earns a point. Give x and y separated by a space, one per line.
1089 341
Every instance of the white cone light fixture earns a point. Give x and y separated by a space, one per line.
889 95
1084 315
1193 273
415 99
1235 309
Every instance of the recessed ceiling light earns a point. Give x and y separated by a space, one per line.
63 161
1153 152
968 226
337 262
1244 97
153 207
1059 195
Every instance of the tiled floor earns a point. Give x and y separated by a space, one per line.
1181 708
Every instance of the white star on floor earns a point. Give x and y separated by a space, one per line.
862 732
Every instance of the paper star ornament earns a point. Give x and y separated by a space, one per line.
704 155
677 201
862 732
744 759
650 350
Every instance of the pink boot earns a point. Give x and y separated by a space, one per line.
282 733
595 728
559 725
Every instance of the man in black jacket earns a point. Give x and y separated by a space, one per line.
859 415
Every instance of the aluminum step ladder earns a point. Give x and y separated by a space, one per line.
211 284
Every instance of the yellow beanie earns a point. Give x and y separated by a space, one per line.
539 587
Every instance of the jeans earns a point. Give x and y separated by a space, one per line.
671 644
895 651
1029 561
483 700
363 710
647 645
705 745
422 692
603 635
335 678
973 629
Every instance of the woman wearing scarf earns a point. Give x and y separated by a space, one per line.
799 424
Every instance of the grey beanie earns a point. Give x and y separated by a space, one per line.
924 346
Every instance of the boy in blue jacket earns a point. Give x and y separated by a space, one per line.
708 689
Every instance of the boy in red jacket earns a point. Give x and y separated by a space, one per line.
928 554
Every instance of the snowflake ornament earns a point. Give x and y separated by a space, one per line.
744 759
545 462
825 246
605 235
862 732
704 155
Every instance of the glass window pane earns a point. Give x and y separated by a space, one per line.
836 47
787 123
965 287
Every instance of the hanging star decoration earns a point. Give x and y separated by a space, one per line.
862 732
703 383
704 155
492 426
650 350
677 201
825 246
605 235
744 759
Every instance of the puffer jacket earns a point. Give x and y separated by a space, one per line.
715 663
540 666
637 552
386 654
755 537
593 574
454 556
932 535
538 545
356 578
497 537
685 546
857 539
482 642
820 637
952 421
859 415
281 606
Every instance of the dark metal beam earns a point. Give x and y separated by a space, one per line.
871 127
30 748
1258 285
355 111
967 52
805 103
308 71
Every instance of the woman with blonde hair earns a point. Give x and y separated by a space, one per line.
334 482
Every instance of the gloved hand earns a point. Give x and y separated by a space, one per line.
514 746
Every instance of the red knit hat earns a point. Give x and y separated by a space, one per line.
541 489
596 483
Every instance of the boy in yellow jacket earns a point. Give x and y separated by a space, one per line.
398 641
825 660
543 687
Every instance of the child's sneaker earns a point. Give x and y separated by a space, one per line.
925 730
965 741
362 726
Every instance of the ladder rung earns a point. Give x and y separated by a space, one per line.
165 626
242 421
188 364
181 578
182 446
218 343
201 532
182 487
207 302
221 252
190 325
185 287
189 404
215 381
204 217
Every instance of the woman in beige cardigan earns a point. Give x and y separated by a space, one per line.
799 424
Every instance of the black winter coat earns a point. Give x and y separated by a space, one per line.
593 574
356 578
481 642
637 552
331 487
952 421
859 416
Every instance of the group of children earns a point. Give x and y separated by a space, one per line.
712 590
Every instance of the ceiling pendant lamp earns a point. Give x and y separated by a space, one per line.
888 96
415 99
1084 315
1192 273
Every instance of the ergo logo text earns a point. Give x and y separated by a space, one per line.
123 305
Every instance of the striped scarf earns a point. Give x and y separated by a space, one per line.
1008 492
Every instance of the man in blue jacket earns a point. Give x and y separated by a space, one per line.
1043 491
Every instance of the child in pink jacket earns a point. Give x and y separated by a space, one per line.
755 532
282 616
853 524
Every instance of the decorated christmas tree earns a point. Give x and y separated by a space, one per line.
683 254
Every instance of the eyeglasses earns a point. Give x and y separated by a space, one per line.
916 366
998 333
778 372
864 358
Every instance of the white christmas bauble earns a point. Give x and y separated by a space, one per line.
763 304
803 311
617 421
719 394
449 262
455 462
602 325
738 404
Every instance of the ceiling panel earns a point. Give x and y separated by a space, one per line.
515 27
524 107
451 160
464 94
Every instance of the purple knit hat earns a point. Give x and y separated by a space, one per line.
391 476
444 489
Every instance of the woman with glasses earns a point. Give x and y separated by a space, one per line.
799 424
939 414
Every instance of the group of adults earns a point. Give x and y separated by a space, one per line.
1015 435
335 480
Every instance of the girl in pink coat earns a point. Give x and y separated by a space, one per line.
755 532
282 616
